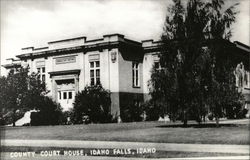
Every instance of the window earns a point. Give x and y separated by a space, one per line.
41 73
64 95
157 65
43 77
156 60
95 73
70 95
135 74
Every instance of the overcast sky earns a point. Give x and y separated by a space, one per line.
27 23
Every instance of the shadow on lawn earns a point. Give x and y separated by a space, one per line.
204 125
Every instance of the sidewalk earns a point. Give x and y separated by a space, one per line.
219 148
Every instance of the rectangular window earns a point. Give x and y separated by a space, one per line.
135 74
43 78
95 73
157 65
70 95
92 77
64 95
41 73
97 63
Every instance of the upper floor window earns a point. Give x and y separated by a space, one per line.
157 65
41 73
40 65
94 65
95 73
156 60
135 74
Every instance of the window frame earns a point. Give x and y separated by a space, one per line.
94 66
41 73
136 74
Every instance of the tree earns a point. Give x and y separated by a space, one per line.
190 47
94 102
15 84
21 91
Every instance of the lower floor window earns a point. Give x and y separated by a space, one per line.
65 95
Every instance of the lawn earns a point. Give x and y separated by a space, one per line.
136 132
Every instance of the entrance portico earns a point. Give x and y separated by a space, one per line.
65 85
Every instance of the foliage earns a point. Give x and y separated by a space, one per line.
20 92
94 102
195 69
132 113
12 92
50 113
153 110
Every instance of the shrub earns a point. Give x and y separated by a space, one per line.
153 111
132 113
50 113
93 102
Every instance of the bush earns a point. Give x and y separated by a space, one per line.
153 111
93 102
50 114
132 113
210 116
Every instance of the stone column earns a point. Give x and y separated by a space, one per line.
76 83
54 89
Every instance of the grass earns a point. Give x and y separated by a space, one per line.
158 154
136 132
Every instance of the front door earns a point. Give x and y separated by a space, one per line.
66 98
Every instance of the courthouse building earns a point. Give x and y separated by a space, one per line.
120 65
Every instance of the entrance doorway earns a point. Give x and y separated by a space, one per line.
66 93
66 99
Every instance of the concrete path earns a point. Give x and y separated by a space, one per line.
235 121
220 148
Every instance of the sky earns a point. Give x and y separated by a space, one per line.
26 23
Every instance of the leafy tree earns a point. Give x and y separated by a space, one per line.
193 61
21 91
93 101
12 97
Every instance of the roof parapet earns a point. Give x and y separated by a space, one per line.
27 50
147 43
113 37
71 42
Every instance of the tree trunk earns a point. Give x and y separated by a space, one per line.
217 121
185 118
14 118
